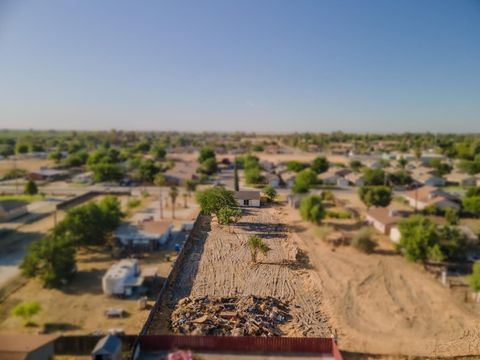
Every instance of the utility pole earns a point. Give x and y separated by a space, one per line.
161 204
15 173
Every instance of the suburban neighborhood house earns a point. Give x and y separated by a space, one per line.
147 235
248 198
385 220
461 179
181 172
332 178
122 278
46 174
11 209
355 179
425 176
425 196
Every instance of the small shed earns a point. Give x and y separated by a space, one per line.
108 348
248 198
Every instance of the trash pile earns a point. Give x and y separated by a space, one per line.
229 316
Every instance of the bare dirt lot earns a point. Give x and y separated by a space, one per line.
25 164
381 304
221 266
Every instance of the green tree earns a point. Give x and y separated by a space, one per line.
206 153
471 201
362 241
441 168
320 164
229 216
52 259
270 193
147 171
208 166
26 310
256 245
253 175
402 162
304 180
107 172
112 214
236 181
356 165
295 166
374 177
418 236
160 179
451 216
474 279
159 152
400 178
213 199
21 149
312 209
375 195
191 185
31 188
173 193
452 243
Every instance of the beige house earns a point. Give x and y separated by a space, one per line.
425 196
384 219
461 179
355 179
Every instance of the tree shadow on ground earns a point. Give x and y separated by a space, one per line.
85 282
386 252
51 327
302 261
267 231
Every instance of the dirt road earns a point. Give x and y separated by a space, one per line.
381 304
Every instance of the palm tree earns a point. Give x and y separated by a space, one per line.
255 245
173 195
185 196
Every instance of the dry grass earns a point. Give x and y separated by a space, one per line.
78 308
26 164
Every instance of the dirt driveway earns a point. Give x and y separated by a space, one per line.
381 304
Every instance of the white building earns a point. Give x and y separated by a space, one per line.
122 278
248 198
147 234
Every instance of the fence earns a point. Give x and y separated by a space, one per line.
241 344
171 276
84 344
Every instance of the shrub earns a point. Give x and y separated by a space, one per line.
133 203
323 231
363 242
311 209
26 310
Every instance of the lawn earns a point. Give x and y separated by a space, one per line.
21 198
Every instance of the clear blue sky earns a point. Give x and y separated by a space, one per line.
260 65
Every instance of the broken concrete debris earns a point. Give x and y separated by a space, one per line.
229 316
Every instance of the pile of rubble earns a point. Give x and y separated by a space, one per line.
233 316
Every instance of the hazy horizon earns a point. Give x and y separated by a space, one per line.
249 66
